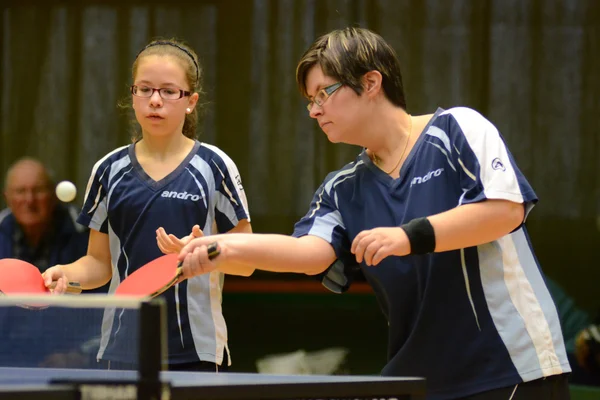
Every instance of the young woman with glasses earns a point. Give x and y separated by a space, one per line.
165 179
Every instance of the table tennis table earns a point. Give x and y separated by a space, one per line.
63 384
150 380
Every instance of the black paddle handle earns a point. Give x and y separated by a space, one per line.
213 251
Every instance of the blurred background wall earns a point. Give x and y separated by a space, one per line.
532 67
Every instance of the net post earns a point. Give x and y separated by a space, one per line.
152 349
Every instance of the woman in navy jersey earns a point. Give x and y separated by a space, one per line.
432 211
167 179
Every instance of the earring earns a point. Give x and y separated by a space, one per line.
188 110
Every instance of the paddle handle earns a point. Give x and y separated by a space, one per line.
213 252
179 271
72 287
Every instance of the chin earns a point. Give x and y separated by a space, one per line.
31 220
334 137
157 131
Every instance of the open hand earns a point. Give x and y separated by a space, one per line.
169 243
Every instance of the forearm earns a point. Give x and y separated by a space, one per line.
233 268
277 253
237 269
475 224
89 271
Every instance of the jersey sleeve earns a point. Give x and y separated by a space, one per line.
324 220
231 205
486 168
94 211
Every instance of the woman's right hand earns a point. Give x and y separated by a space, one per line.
56 275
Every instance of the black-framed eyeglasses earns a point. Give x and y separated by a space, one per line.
323 94
165 93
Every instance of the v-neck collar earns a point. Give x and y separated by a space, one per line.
380 174
156 185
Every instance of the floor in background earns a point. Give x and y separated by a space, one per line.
261 324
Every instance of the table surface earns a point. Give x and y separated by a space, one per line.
24 383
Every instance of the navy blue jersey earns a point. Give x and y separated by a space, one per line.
65 242
469 320
124 202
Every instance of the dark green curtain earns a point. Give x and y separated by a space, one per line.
530 66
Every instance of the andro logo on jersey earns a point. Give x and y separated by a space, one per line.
422 179
497 164
183 195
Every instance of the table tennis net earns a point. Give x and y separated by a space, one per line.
83 332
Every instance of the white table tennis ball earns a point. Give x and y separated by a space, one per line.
66 191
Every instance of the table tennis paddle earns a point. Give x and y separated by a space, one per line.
157 276
22 278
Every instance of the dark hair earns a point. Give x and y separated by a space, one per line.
193 74
347 54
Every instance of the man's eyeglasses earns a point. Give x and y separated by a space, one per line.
323 94
34 191
165 93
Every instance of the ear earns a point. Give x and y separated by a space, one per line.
372 83
193 100
7 199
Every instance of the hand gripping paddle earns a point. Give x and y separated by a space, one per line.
19 277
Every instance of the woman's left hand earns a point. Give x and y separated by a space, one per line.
169 243
374 245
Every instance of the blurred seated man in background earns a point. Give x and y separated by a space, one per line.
35 227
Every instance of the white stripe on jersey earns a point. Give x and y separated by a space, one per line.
196 163
324 225
96 201
233 173
100 211
216 289
224 205
468 286
202 166
332 183
487 145
462 165
204 304
109 312
342 180
509 261
117 166
95 168
333 180
318 204
114 168
206 289
231 198
443 137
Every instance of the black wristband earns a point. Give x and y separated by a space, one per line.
420 235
